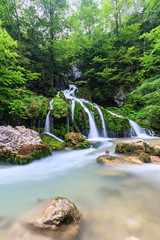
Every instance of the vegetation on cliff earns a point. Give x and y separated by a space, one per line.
111 45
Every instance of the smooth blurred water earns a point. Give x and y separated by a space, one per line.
115 202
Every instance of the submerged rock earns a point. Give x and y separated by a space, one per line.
20 145
110 160
76 141
57 212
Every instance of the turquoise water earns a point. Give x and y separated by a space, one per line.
115 202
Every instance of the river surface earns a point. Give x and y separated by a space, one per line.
115 202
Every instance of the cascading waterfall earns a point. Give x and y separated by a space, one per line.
93 132
140 132
102 120
136 130
47 124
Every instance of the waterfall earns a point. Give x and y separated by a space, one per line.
70 94
47 124
102 120
136 130
140 132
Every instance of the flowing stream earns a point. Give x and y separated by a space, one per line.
115 202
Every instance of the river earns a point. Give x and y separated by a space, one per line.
115 202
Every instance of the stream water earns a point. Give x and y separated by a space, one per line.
115 202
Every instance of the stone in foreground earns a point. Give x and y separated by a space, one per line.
20 145
75 140
59 211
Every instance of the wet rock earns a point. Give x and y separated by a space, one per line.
145 157
110 160
106 151
75 140
134 147
20 145
57 212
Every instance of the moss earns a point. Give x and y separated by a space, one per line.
115 123
145 157
76 141
53 143
60 108
126 148
81 119
26 154
72 214
157 151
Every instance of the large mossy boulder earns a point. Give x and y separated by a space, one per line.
20 145
134 147
75 140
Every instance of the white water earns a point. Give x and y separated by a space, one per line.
93 132
52 135
114 202
102 120
136 130
47 123
140 132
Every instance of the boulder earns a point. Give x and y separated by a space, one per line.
57 212
134 147
75 140
20 145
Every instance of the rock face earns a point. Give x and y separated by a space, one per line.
76 141
20 145
57 212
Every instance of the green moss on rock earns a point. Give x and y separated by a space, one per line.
145 157
76 141
26 153
81 119
115 123
53 143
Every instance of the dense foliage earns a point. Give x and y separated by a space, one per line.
115 44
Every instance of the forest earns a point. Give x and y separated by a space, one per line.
109 48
